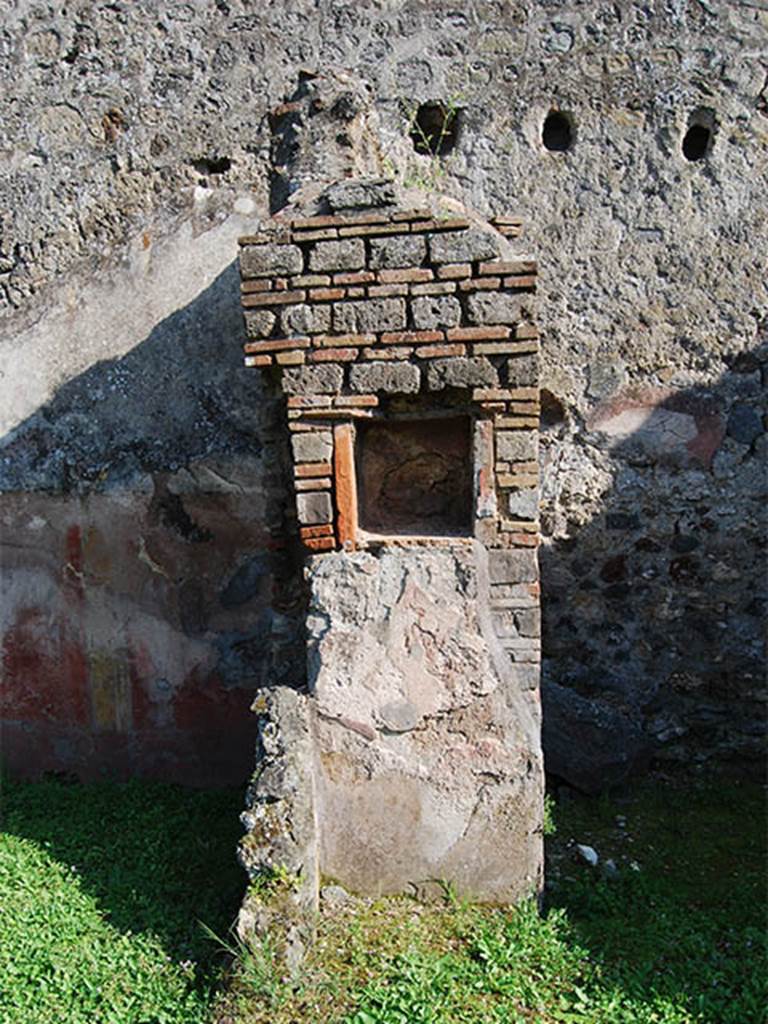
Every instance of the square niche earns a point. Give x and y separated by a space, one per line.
414 477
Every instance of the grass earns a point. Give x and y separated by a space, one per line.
102 888
678 936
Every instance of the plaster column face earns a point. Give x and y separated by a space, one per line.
403 340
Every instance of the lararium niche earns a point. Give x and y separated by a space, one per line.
401 334
414 476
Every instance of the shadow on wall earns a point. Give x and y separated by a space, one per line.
136 575
653 610
139 610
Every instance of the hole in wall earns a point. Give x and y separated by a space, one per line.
435 129
697 142
557 132
212 165
699 136
552 410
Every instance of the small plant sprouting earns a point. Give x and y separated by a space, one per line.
549 826
273 881
433 129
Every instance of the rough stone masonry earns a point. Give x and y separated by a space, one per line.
405 344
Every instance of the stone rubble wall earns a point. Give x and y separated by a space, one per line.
138 141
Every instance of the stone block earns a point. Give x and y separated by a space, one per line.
373 315
315 446
497 308
467 782
517 445
266 260
259 323
398 251
304 319
345 254
361 194
463 246
518 566
523 371
397 378
528 621
314 507
430 311
460 372
325 379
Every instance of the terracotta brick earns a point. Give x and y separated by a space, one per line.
440 224
322 483
412 337
519 480
280 283
520 282
408 274
482 284
507 218
318 235
454 271
436 351
320 543
324 530
332 414
307 469
324 220
272 298
358 277
276 344
258 360
378 290
518 422
436 288
346 486
294 358
504 394
524 408
395 352
309 402
521 540
344 340
492 406
356 292
326 294
375 229
356 401
519 525
263 285
505 348
311 281
523 467
508 267
327 355
476 333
